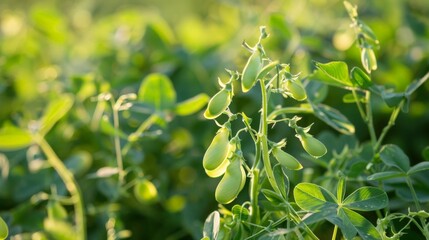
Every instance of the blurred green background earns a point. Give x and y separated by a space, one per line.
49 48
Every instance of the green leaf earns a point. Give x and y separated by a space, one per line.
55 111
364 228
366 199
316 91
380 176
393 156
212 225
13 138
191 105
157 91
282 180
273 197
240 213
312 197
334 73
423 166
360 78
425 153
392 99
333 118
4 231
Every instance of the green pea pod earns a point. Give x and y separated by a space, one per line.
369 61
145 191
56 210
312 146
266 69
250 71
360 78
218 150
286 160
231 183
4 231
218 104
296 90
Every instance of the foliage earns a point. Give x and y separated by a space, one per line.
102 129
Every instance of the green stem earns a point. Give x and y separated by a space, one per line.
254 192
369 119
334 234
359 105
70 183
424 229
389 125
119 161
263 131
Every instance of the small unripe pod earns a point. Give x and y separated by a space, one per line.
218 150
369 61
56 210
250 71
312 146
231 183
296 90
286 160
145 191
218 104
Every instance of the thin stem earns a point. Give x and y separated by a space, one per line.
254 192
70 183
369 119
413 194
359 105
119 161
334 234
389 125
264 141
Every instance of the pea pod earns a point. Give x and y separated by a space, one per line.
145 191
218 104
231 183
369 61
296 90
56 210
4 231
218 150
312 146
286 160
250 71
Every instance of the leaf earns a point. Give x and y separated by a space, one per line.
423 166
393 156
335 73
272 196
316 91
333 118
212 226
366 199
13 138
380 176
241 213
312 197
4 231
282 180
191 105
425 153
364 228
392 99
360 78
55 111
157 91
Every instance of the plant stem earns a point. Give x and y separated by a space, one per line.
263 132
70 183
413 194
334 234
359 105
369 119
389 125
254 192
119 161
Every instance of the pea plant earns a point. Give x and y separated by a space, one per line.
358 177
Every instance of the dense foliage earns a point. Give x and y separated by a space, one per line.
103 129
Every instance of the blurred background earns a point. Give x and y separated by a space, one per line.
49 48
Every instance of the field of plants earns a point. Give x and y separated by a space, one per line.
171 120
